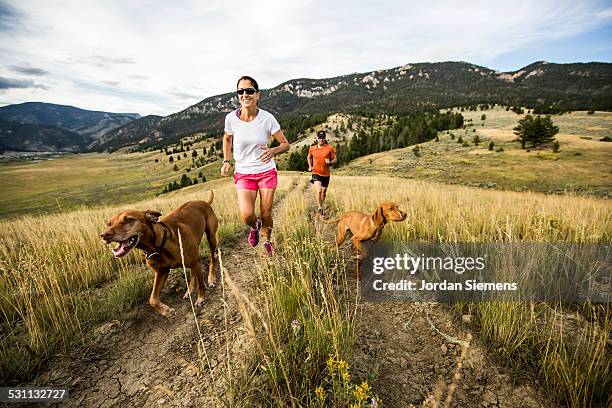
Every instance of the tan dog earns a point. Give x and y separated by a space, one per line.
158 238
366 227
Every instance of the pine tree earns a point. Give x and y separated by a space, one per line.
535 131
185 181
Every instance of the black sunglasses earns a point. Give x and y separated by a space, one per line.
249 91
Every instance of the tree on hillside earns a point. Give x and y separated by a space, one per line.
534 131
297 159
185 181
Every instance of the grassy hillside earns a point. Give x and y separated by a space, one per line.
581 166
563 347
49 186
63 281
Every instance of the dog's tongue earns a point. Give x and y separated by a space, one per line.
119 249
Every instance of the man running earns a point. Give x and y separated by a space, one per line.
320 157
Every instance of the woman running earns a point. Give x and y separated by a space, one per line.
248 130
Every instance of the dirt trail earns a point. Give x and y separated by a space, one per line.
144 360
404 358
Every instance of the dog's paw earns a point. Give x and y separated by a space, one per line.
212 281
168 313
199 301
186 295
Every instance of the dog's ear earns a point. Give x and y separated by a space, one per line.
379 217
152 216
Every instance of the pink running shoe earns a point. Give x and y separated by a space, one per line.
254 234
268 248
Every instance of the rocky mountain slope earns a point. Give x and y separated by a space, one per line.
579 86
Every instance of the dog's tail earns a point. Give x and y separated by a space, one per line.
334 221
211 196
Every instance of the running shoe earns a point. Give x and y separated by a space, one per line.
320 211
268 248
254 234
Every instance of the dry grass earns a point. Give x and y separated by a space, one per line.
572 360
302 323
56 276
57 279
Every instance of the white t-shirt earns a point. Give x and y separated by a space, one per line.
248 140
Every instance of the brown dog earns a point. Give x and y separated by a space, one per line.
158 238
366 227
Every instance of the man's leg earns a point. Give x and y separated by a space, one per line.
318 188
323 195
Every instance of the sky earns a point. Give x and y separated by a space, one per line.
160 57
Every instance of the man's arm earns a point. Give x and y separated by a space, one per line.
309 160
333 156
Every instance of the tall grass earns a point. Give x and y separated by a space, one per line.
57 278
566 346
303 326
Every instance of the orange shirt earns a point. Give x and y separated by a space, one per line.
318 158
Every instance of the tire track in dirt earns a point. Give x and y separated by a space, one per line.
142 359
403 358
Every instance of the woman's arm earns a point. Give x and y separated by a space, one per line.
227 153
268 152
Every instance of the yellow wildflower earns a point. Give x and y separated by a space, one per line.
320 392
346 376
365 386
359 393
330 363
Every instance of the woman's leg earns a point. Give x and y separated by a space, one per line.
246 202
266 199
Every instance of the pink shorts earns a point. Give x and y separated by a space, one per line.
267 179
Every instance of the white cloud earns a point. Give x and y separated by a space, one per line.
159 57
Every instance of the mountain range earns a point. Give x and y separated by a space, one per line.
37 125
421 86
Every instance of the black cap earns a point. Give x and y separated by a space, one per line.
321 134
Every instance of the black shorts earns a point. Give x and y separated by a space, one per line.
323 179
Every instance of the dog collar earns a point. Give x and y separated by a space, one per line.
163 242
